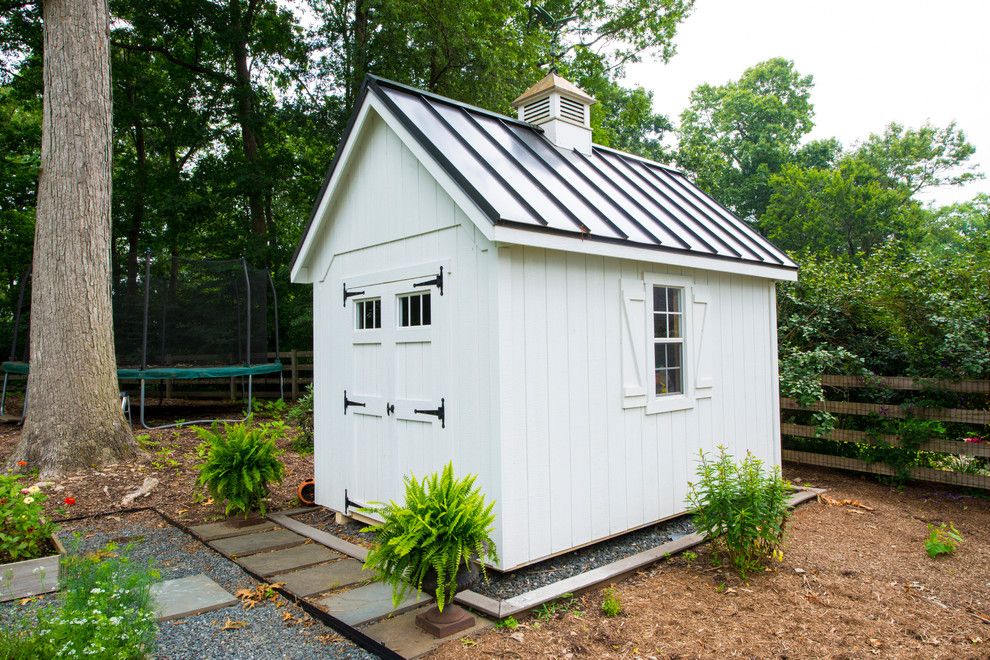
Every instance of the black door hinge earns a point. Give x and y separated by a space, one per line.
350 294
438 413
436 281
348 403
389 408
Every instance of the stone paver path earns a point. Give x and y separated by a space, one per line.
327 578
187 596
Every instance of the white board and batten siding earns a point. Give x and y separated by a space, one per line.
393 225
584 460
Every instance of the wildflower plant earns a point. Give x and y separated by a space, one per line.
106 611
742 508
24 531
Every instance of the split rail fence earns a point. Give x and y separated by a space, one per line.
977 416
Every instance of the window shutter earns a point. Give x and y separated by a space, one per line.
704 345
634 378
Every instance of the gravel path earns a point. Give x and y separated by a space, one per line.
176 554
507 585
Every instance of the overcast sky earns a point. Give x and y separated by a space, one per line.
874 61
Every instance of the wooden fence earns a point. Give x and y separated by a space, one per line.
972 416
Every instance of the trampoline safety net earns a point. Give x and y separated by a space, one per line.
187 313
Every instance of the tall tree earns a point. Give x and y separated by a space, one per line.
74 420
735 136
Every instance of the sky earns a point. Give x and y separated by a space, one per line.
873 61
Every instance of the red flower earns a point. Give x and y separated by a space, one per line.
70 501
974 439
22 463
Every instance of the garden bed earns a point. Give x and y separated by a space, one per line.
853 583
263 631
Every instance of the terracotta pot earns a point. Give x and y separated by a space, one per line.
31 577
306 492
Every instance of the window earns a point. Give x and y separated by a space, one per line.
668 340
414 310
368 314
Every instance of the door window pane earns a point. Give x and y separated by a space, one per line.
368 314
415 310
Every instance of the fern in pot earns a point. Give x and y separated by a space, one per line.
435 542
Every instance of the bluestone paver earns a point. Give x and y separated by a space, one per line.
248 544
290 559
368 603
227 528
402 635
324 577
187 596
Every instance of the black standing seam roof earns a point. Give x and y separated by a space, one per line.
519 179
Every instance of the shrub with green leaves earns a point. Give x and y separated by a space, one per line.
301 414
242 462
106 611
24 531
611 605
942 540
742 508
443 525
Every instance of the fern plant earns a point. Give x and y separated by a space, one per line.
241 463
443 524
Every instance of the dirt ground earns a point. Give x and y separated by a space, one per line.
853 584
170 456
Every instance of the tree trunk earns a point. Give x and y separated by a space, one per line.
74 419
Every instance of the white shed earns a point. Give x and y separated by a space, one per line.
569 322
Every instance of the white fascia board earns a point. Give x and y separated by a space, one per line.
300 272
514 236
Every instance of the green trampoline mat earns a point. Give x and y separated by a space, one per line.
171 373
21 368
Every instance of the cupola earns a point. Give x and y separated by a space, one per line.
561 109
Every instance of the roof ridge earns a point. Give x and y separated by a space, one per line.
449 101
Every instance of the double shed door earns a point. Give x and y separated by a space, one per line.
394 402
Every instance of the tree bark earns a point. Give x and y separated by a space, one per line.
74 419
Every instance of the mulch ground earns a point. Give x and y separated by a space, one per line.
854 583
170 456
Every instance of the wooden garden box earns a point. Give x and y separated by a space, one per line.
31 577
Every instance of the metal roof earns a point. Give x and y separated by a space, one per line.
519 179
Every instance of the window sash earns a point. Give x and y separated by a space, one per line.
668 341
415 310
368 314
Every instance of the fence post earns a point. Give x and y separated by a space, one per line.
294 366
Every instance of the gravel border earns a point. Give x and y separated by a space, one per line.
177 554
514 583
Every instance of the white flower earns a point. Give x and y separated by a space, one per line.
33 489
115 620
96 590
29 500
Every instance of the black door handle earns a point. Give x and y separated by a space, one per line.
389 408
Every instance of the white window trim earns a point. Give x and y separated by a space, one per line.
354 315
670 402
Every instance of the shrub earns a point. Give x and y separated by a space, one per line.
942 540
240 465
106 611
274 409
742 508
508 623
611 605
24 532
301 414
443 524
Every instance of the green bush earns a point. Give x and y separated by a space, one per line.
742 508
301 414
241 463
443 524
942 540
611 605
24 532
106 611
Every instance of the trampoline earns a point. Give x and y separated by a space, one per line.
183 319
